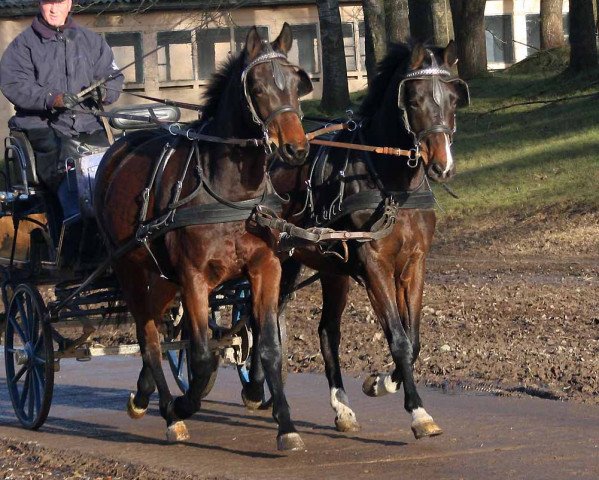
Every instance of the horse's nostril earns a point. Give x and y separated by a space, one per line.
437 169
290 150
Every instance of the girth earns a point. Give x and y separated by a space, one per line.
373 199
211 213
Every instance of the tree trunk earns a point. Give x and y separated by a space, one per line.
552 25
469 27
583 46
430 21
397 22
421 21
335 92
376 37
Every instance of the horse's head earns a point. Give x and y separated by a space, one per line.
272 87
428 97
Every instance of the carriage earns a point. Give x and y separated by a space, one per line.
58 288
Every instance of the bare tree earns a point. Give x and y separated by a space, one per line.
552 24
583 46
335 91
397 22
469 27
375 34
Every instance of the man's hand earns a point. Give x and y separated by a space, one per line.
65 100
98 94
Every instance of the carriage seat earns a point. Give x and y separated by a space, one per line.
164 113
20 164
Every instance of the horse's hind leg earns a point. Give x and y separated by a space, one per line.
147 299
252 393
195 299
334 298
138 402
265 295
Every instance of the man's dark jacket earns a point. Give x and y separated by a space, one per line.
43 62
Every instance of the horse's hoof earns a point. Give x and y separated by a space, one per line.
177 432
427 428
290 442
134 412
347 424
370 385
250 404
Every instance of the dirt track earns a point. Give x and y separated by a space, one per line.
509 327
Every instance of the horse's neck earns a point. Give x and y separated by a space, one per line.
386 129
234 171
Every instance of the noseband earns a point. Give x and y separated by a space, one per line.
279 77
436 75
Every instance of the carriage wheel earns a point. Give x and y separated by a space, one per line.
29 357
180 363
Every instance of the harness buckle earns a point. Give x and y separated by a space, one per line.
414 157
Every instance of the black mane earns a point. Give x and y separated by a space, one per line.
219 83
397 55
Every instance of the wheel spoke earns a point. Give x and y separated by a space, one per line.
19 374
39 387
23 313
32 394
17 327
25 391
30 315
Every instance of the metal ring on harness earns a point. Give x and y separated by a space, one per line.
173 125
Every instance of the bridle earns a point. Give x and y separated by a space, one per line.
436 75
279 77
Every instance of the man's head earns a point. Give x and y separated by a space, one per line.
55 12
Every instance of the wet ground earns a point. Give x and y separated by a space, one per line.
89 436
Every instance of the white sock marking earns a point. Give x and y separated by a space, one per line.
340 403
419 415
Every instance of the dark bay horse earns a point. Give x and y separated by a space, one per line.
171 195
411 105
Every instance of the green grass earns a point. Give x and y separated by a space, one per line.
527 158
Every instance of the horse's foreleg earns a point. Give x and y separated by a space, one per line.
265 295
384 293
334 299
409 288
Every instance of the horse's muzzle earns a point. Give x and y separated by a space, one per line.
438 172
294 154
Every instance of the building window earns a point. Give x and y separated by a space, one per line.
241 33
214 45
362 33
499 39
349 46
533 33
127 50
304 50
175 59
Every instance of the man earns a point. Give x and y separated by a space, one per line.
41 72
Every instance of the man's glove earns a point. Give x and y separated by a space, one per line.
98 94
65 100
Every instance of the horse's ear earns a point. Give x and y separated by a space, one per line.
284 40
253 44
418 54
450 55
305 84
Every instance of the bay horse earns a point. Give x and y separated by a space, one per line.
411 104
187 204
